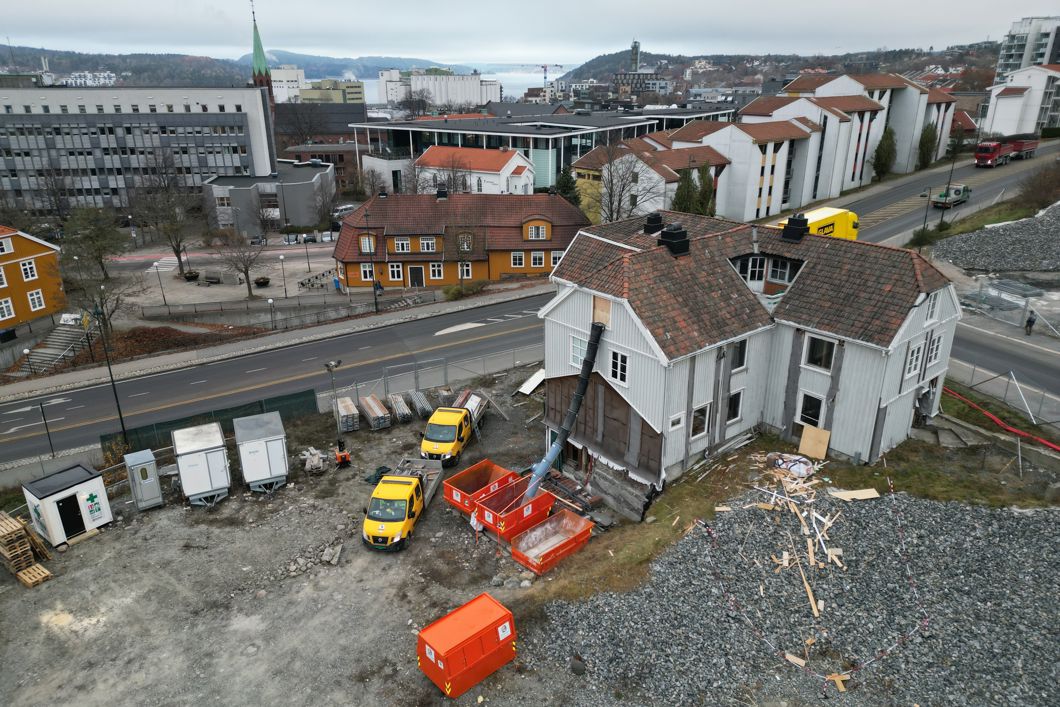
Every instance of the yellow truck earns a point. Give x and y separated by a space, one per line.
449 430
827 221
398 501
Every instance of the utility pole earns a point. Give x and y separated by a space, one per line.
110 372
47 431
949 180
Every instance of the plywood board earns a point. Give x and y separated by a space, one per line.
814 442
795 659
857 495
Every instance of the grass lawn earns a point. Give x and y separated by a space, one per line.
998 213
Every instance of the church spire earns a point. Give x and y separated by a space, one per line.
260 64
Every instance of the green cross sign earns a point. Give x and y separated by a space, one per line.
91 498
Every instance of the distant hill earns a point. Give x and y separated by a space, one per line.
364 67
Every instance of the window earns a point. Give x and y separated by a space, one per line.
810 410
556 255
478 184
135 108
677 421
3 278
699 421
517 259
29 270
602 310
436 271
5 246
36 300
932 307
9 109
402 245
912 364
152 108
537 233
577 350
934 350
82 109
224 201
99 108
465 271
6 310
819 353
169 107
187 107
537 259
464 243
634 177
367 244
619 367
427 244
366 272
46 109
220 107
632 201
753 269
395 271
239 107
732 414
780 270
739 356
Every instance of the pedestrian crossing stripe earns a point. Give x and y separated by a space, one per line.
164 264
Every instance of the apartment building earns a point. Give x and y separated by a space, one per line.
1026 102
1030 41
93 146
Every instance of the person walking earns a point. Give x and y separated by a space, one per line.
1029 326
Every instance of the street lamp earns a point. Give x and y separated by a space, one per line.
331 366
284 272
371 255
25 352
272 313
308 268
47 431
98 313
77 264
159 273
949 181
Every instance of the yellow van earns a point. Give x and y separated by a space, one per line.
827 221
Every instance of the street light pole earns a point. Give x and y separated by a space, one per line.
159 273
25 352
331 366
272 313
110 372
949 180
308 267
47 431
284 272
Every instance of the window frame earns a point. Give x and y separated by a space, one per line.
370 240
395 267
774 264
934 351
803 394
40 295
402 244
806 353
464 264
32 267
536 255
913 360
700 411
3 277
426 241
431 269
369 270
556 256
9 305
932 312
618 371
742 344
522 259
537 233
676 422
5 246
738 395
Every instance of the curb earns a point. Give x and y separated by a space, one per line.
86 382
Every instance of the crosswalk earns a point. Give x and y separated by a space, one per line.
164 264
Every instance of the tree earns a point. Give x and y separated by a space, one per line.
626 184
299 123
705 202
925 149
93 236
418 102
1041 188
685 198
372 182
16 217
454 175
957 140
975 80
886 152
165 207
567 187
415 179
55 191
237 255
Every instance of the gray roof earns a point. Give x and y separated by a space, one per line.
520 110
264 426
287 172
197 439
144 456
323 147
550 125
328 118
59 481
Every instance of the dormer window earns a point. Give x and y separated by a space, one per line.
537 233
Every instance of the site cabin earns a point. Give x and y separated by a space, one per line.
262 445
68 503
449 430
398 502
142 469
202 463
828 221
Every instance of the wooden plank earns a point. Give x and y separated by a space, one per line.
838 680
814 442
805 583
722 509
802 521
857 495
766 506
795 659
32 576
809 551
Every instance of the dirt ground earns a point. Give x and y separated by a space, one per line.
232 605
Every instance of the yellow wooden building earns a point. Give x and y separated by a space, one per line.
30 284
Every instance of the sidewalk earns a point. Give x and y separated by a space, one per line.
182 359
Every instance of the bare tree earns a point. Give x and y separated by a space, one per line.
54 191
93 236
372 181
324 205
299 122
416 179
237 255
89 290
454 175
626 184
165 207
418 102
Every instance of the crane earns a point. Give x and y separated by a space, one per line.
544 70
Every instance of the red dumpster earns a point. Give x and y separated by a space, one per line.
474 482
542 547
505 513
459 650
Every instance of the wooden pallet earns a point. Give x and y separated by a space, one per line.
8 527
33 576
20 563
13 548
38 545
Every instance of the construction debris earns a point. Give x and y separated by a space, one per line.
858 495
401 410
314 459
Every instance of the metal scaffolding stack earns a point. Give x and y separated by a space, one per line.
400 408
421 404
346 416
375 413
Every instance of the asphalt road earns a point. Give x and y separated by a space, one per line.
902 208
79 417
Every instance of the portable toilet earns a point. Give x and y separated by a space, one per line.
143 479
67 503
202 463
262 445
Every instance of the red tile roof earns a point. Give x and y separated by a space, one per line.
696 130
809 82
766 105
495 220
963 119
876 82
775 131
667 163
474 159
1051 67
937 96
1012 91
519 170
852 289
848 104
598 157
662 137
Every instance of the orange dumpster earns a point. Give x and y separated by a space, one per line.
542 547
505 513
461 649
474 482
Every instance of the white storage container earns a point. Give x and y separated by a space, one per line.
202 463
262 445
67 503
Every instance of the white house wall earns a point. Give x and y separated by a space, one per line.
906 118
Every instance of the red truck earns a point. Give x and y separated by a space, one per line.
994 153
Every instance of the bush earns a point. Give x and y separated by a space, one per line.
475 286
452 293
921 237
943 226
455 292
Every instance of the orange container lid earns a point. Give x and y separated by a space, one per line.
463 623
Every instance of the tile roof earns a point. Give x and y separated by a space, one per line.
667 162
1012 91
937 96
519 170
696 130
848 104
963 119
810 82
474 159
851 289
876 82
497 218
597 157
766 105
776 131
662 137
1050 67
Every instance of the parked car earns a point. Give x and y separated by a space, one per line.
309 238
290 239
259 240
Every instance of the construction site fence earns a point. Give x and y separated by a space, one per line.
435 373
158 435
279 303
1007 307
1040 407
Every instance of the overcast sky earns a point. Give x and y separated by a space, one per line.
461 31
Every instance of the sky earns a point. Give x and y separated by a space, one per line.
479 31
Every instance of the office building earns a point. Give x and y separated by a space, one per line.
1030 41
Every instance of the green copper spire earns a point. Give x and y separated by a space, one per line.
260 63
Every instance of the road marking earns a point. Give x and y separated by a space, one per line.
76 407
276 381
137 395
1009 338
311 358
459 327
364 348
196 382
257 370
46 403
15 419
16 428
494 319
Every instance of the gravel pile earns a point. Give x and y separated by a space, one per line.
1028 244
696 632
